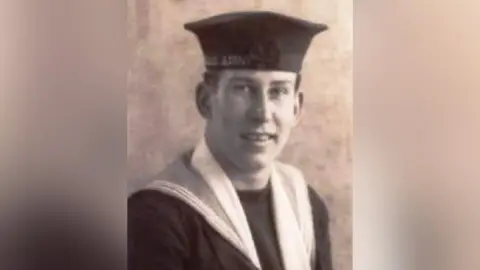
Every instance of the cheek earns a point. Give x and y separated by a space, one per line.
231 110
285 114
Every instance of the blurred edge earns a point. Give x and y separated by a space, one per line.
458 175
416 116
63 134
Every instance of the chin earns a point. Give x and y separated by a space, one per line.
255 162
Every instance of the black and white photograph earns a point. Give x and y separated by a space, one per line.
239 128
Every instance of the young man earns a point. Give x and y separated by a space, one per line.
228 204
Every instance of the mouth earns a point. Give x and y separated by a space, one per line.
258 137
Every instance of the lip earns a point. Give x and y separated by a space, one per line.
258 137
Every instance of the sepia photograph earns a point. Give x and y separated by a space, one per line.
239 133
218 135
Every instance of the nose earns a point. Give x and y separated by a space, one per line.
260 110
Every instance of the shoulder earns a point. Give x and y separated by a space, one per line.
149 201
317 202
157 221
160 229
319 207
154 207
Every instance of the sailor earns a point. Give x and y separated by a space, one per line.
229 203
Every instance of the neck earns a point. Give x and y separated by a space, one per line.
254 179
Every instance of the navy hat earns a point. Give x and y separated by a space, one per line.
259 40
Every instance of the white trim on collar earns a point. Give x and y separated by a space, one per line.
222 187
292 211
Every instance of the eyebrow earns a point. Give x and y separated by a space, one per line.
254 81
280 82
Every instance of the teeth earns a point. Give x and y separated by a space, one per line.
257 137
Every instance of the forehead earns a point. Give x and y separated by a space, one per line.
258 75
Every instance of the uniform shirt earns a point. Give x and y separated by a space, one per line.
166 233
258 208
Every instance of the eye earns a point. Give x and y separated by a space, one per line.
243 88
278 91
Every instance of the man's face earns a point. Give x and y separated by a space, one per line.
252 113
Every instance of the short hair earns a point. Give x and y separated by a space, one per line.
212 77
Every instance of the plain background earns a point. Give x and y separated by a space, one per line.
167 65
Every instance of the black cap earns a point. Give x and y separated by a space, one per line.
259 40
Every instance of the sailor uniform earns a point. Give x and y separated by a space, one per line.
191 216
182 223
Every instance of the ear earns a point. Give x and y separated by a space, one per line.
298 106
202 98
